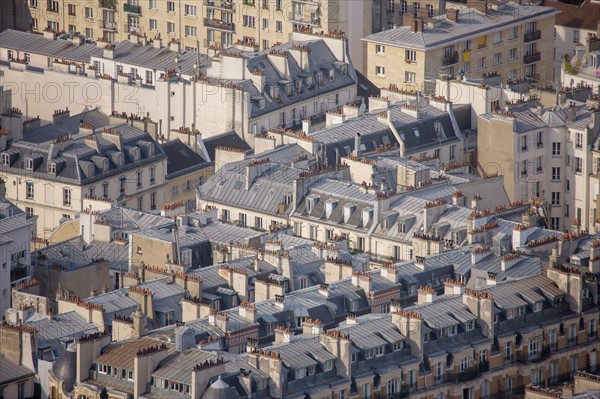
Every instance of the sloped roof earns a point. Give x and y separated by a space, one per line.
583 16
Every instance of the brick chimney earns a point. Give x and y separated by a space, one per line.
283 334
60 114
248 311
425 294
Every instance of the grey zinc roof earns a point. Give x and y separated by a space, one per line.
75 253
78 150
67 126
319 56
61 327
121 218
268 189
178 366
37 44
181 158
471 23
11 371
376 133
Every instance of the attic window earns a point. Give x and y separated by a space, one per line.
6 159
52 168
344 70
331 74
320 78
29 163
299 85
416 132
288 89
402 227
309 81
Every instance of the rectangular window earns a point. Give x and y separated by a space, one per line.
89 12
149 77
578 165
410 77
555 173
190 10
540 139
539 161
265 24
555 198
152 4
66 196
524 142
411 55
170 27
258 222
29 191
452 152
379 71
575 36
512 54
278 26
481 63
379 49
514 32
497 58
170 6
579 140
153 24
555 223
555 149
152 201
71 9
29 211
190 31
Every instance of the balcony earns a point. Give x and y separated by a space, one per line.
450 59
108 25
468 374
108 4
224 5
220 25
132 8
533 57
529 37
300 19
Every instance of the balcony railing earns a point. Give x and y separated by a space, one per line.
217 24
463 376
450 59
132 8
299 19
224 5
533 57
108 25
529 37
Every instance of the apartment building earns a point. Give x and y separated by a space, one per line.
186 170
573 25
240 89
261 191
548 154
51 170
200 26
508 39
17 229
583 66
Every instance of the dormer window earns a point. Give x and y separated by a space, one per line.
309 81
331 74
5 159
470 325
52 168
344 70
288 89
328 365
379 351
299 85
402 227
320 78
28 163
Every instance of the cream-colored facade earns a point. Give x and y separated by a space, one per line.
553 162
522 48
200 25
